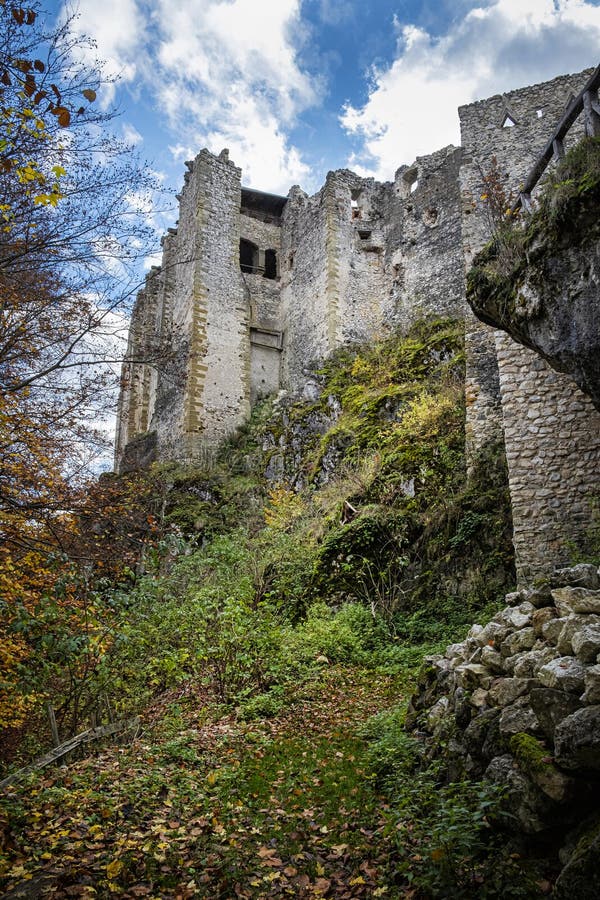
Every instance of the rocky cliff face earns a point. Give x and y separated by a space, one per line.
540 280
518 702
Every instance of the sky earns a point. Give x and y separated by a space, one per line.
295 88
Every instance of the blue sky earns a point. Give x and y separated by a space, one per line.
297 87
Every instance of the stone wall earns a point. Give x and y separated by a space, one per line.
550 428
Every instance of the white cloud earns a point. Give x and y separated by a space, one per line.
131 135
118 29
495 47
229 77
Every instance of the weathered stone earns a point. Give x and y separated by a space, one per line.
505 691
519 717
539 597
525 801
576 600
575 622
527 665
565 673
437 712
592 685
580 878
456 651
492 660
515 617
479 698
552 628
462 708
541 616
518 642
551 706
477 731
472 675
586 643
582 575
514 598
577 740
492 634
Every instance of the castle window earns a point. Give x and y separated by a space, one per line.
270 264
364 235
248 256
354 198
410 182
508 121
539 113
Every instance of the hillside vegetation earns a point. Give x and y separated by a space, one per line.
283 594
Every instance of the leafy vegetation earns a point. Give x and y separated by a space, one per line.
255 624
565 215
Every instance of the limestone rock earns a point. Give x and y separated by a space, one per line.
505 691
472 675
577 740
573 624
519 717
582 575
551 706
477 731
525 800
580 878
592 685
586 643
527 665
565 673
551 630
492 660
518 641
541 616
492 634
576 600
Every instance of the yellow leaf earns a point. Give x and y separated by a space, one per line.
114 868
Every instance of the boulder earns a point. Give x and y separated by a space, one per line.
573 623
517 718
472 675
582 575
505 691
580 878
477 731
531 807
492 660
551 630
527 665
576 600
541 616
577 740
551 706
518 642
586 643
592 685
564 673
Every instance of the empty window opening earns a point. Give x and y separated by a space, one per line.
291 260
539 113
364 235
508 121
270 264
410 181
356 210
248 256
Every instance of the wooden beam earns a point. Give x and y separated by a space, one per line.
91 734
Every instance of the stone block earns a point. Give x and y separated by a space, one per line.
586 643
577 740
518 642
564 673
505 691
592 685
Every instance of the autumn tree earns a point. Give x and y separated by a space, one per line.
72 242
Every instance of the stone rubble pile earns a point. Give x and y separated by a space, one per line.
518 702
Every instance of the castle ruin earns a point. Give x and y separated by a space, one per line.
254 287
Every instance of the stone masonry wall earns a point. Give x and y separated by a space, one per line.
551 429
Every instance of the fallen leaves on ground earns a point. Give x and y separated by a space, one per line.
210 807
